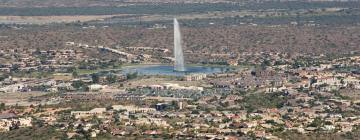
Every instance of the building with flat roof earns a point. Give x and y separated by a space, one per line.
82 114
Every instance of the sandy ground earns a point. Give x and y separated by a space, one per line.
159 81
19 98
51 19
353 94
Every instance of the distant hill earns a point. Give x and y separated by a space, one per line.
198 40
108 7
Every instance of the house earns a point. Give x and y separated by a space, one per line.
13 88
194 77
7 115
221 84
82 114
152 132
96 87
69 43
9 122
133 109
132 97
115 131
232 62
153 121
7 70
352 82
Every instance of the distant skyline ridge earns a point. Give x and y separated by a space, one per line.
178 52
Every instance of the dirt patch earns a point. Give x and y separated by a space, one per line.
160 81
18 98
352 93
51 19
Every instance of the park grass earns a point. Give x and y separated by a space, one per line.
121 67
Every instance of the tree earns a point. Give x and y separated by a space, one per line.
317 122
342 81
265 63
37 51
111 78
2 106
95 78
15 68
109 107
77 84
85 134
3 76
131 75
313 80
74 73
37 123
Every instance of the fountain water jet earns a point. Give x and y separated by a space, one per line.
178 52
178 69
